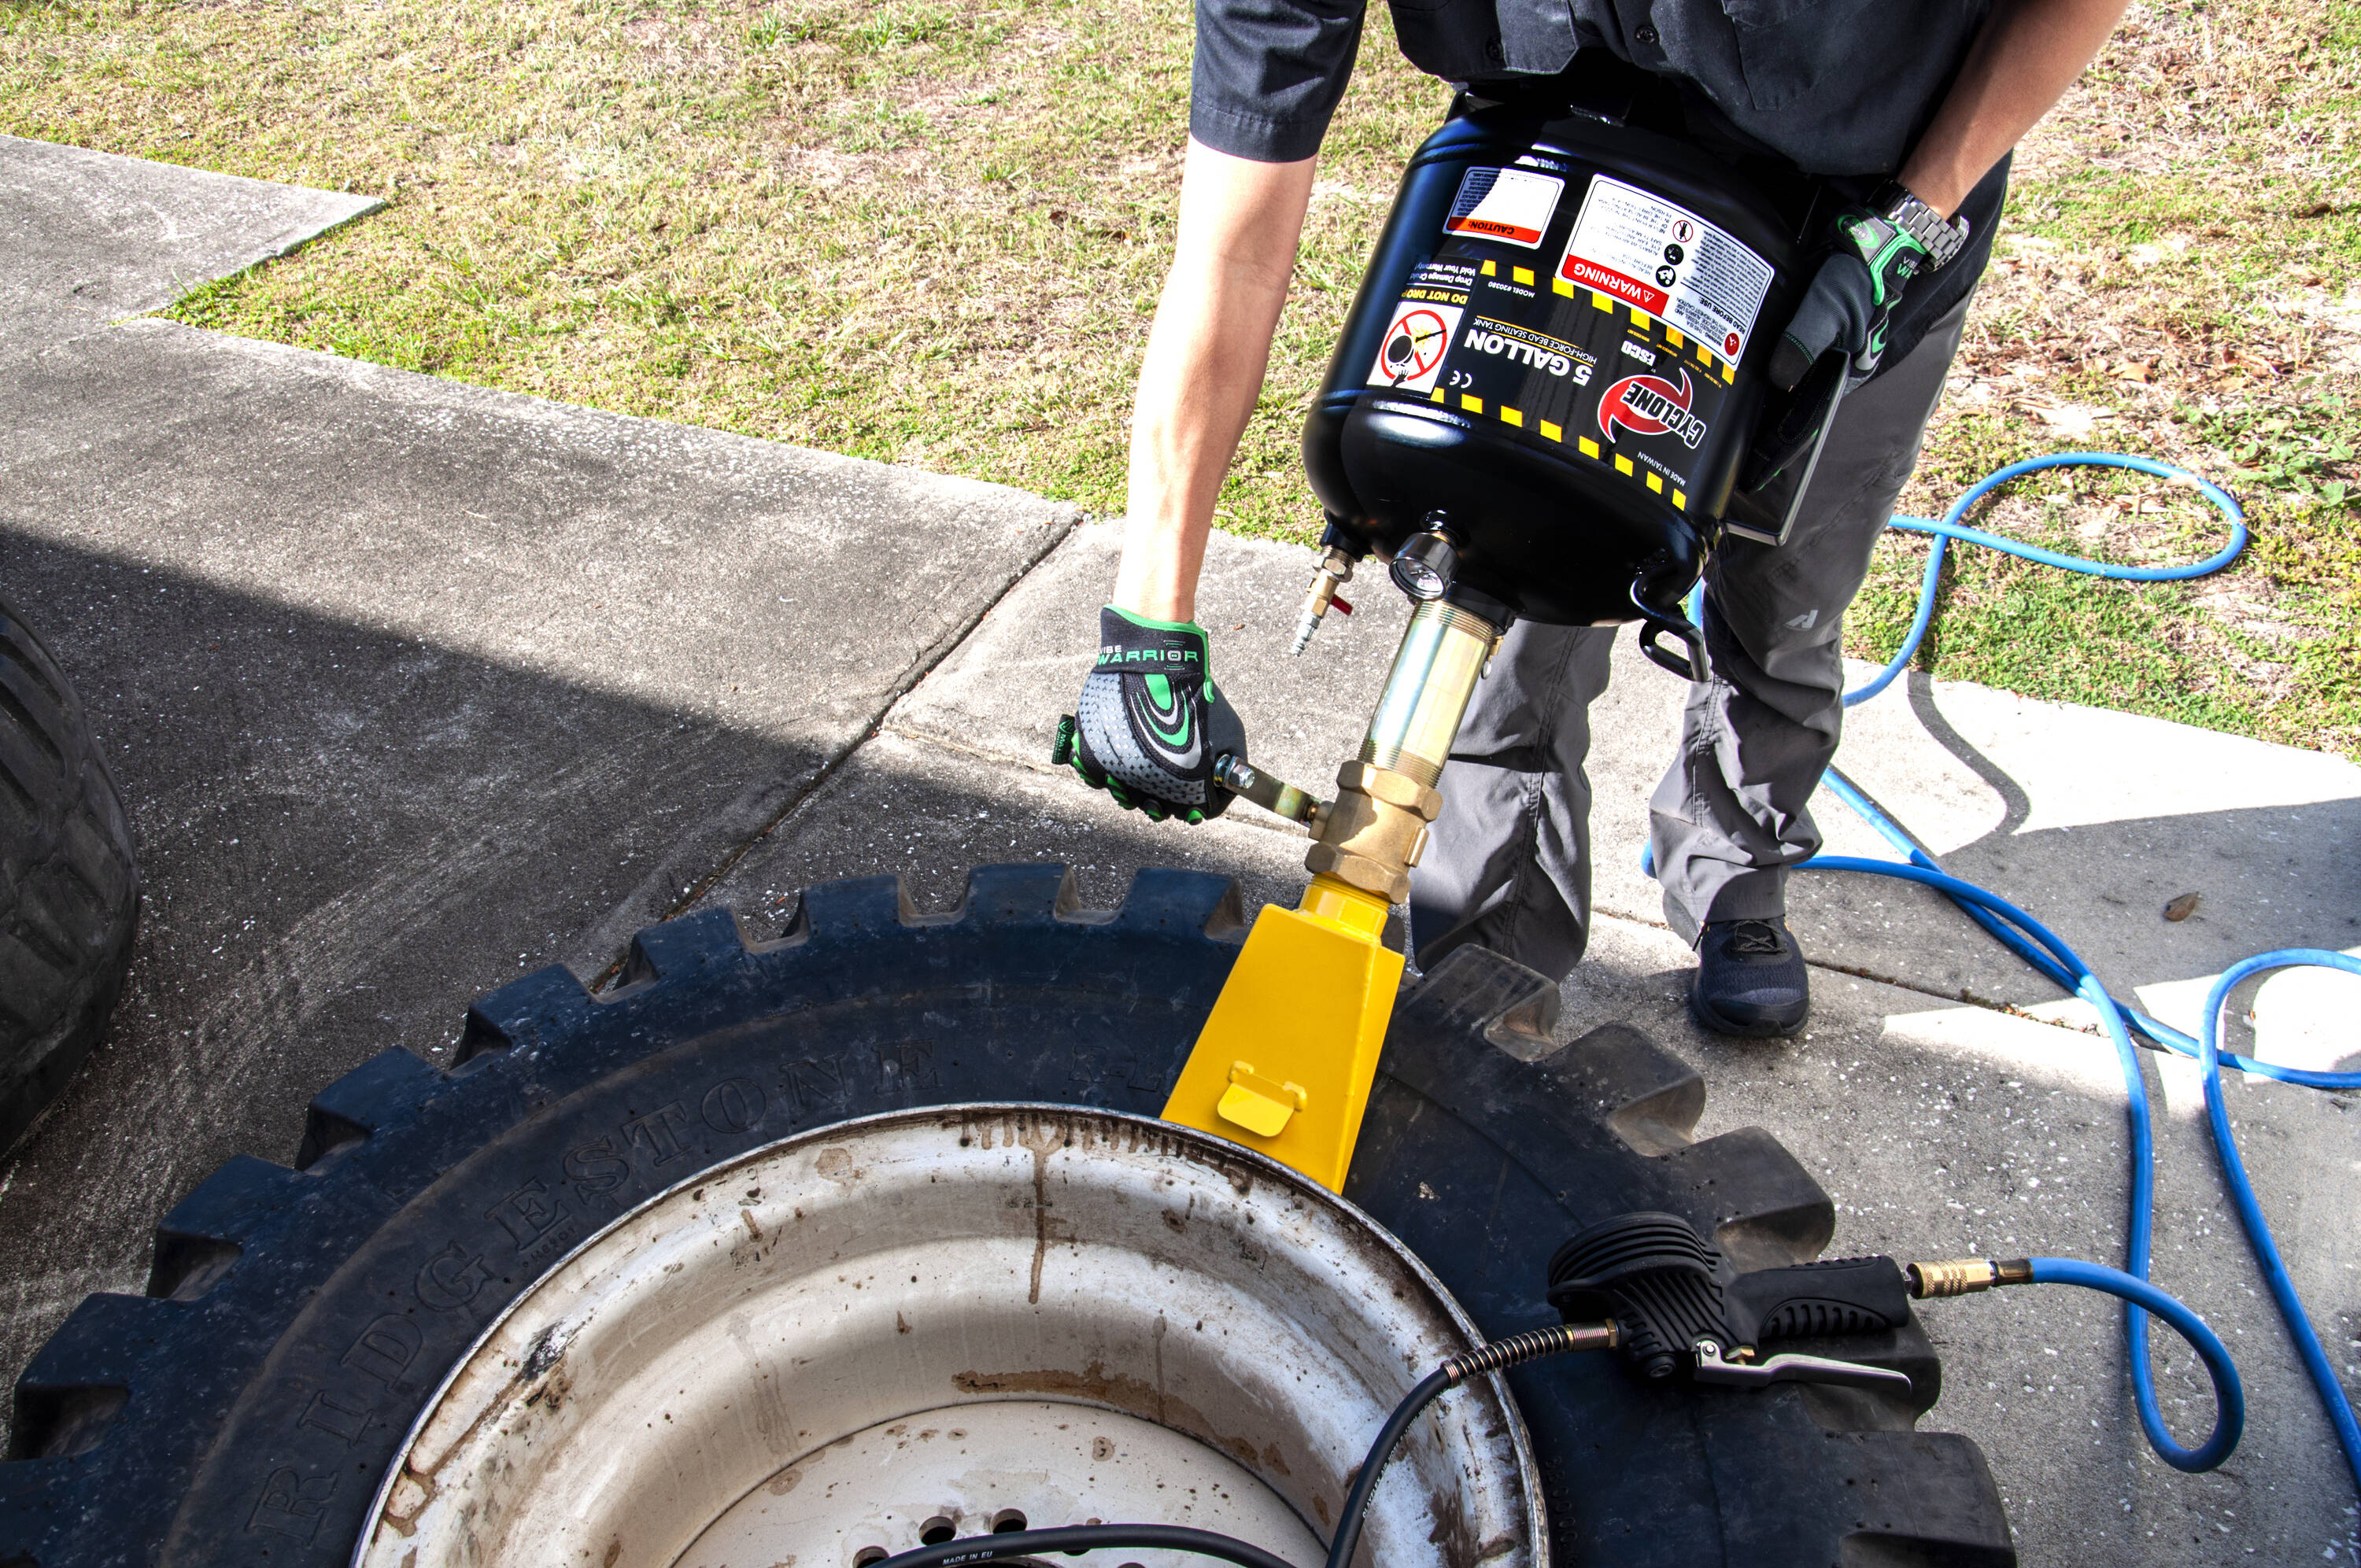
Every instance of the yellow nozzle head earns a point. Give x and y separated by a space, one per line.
1285 1062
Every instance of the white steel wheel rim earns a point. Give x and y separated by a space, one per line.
952 1318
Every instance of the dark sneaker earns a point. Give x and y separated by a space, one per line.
1751 980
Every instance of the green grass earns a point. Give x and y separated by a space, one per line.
933 233
2180 276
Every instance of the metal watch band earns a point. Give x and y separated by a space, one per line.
1942 238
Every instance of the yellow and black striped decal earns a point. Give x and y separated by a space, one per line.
1573 370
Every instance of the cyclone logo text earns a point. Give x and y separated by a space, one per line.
1650 405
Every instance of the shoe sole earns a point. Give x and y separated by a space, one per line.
1715 1023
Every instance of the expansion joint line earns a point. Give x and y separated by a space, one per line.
872 726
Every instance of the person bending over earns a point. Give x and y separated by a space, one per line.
1908 111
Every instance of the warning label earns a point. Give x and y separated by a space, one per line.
1669 262
1411 356
1623 395
1512 205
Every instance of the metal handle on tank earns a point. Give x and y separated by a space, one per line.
1690 665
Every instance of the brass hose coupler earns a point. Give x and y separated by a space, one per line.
1966 1275
1375 830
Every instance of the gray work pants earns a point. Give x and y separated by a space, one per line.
1508 862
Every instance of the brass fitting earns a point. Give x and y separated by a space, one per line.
1335 570
1966 1275
1952 1277
1375 830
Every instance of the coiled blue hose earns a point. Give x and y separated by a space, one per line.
2242 1191
1948 528
2046 952
2229 1398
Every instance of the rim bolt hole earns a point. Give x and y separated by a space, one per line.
936 1530
868 1554
1007 1521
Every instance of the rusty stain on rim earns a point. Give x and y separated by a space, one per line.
941 1318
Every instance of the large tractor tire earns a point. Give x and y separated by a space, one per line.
297 1321
69 887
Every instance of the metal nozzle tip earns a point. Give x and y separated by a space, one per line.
1304 630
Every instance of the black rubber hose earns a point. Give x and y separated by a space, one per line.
1514 1350
1087 1538
1357 1501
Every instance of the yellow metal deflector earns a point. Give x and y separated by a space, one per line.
1285 1061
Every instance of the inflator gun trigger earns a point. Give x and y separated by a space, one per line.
1711 1368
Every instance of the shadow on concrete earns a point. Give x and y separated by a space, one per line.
2016 807
351 833
346 834
2266 877
2094 822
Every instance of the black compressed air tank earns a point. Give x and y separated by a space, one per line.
1556 358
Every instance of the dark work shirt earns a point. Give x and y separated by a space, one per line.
1840 88
1833 86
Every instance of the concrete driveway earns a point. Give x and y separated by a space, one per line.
413 686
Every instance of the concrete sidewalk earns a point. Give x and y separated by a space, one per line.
412 686
409 686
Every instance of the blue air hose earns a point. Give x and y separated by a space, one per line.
2229 1398
2046 952
2162 1034
2242 1191
1950 527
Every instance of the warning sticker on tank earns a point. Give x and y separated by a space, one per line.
1409 357
1512 205
1644 251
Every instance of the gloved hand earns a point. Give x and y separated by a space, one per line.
1850 296
1150 722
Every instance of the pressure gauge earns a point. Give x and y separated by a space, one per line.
1423 566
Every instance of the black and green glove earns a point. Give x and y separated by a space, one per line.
1150 723
1851 298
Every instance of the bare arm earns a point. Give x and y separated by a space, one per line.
1206 354
1240 221
2027 54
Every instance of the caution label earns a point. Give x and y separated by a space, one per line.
1644 251
1511 205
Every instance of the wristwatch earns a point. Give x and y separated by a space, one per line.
1943 238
